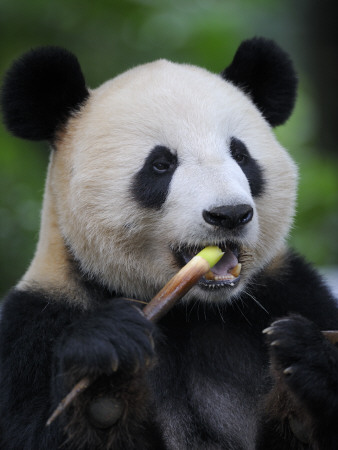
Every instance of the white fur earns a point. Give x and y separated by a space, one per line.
194 113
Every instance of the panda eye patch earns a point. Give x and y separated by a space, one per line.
250 167
151 183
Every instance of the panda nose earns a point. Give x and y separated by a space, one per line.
229 217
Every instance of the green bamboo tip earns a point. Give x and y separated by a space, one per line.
212 254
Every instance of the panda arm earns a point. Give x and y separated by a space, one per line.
48 345
30 326
303 404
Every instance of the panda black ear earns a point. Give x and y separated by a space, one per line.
266 73
40 91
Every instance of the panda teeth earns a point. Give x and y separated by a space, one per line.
231 275
224 278
235 271
211 277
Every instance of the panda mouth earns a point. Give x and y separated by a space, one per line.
226 273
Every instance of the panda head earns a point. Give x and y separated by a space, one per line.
155 164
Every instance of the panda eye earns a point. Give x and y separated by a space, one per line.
162 166
238 151
161 161
151 183
250 167
239 158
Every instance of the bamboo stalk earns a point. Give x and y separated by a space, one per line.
81 386
176 288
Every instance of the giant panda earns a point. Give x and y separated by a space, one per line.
144 171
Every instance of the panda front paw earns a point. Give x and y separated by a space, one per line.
112 346
306 363
115 338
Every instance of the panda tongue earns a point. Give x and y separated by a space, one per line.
226 263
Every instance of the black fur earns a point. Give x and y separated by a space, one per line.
265 72
40 91
249 165
55 345
211 378
151 184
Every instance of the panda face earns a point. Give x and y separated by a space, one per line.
160 162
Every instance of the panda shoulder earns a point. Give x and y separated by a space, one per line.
292 285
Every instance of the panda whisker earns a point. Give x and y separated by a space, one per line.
220 312
254 282
245 291
204 310
188 313
237 305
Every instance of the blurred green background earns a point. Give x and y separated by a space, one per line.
110 36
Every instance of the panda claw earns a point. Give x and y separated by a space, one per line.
275 343
288 371
115 365
268 331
